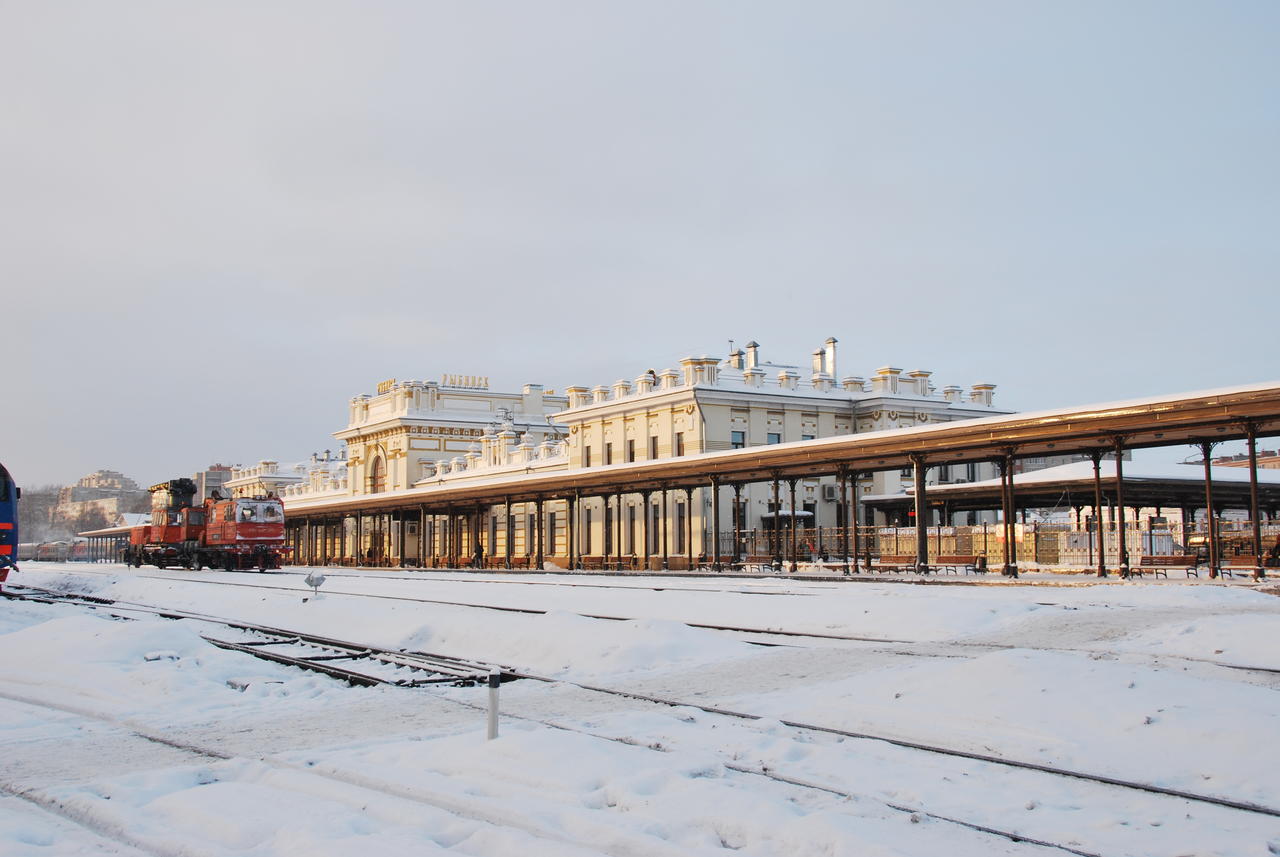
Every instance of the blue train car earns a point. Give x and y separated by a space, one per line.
9 494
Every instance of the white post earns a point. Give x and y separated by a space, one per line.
495 678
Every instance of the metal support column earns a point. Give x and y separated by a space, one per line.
1251 433
920 471
665 564
647 513
715 524
791 487
1096 455
1121 542
1010 568
1211 527
688 535
572 548
360 556
402 523
538 526
422 535
852 515
843 474
775 541
510 533
737 523
617 528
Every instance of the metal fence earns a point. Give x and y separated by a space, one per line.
1043 544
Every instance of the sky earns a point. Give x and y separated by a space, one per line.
221 221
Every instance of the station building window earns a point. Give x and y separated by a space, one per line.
737 439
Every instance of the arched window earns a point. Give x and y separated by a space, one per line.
377 476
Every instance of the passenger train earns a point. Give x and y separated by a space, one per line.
9 494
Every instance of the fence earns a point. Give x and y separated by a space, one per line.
1042 544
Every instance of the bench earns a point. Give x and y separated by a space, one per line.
955 563
500 562
1233 565
757 562
896 562
1159 566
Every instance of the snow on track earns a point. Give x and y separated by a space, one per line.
673 787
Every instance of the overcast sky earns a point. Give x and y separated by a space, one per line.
220 221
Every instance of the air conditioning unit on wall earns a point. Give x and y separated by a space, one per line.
831 492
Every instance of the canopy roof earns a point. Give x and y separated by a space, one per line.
1069 485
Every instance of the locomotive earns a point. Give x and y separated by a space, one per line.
229 533
9 494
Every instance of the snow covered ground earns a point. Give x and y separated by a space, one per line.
138 737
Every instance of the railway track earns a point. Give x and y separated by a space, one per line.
320 654
966 646
356 664
364 665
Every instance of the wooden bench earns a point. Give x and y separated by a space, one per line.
887 563
757 562
1242 564
1158 566
500 562
956 563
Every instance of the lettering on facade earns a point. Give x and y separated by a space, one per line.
447 431
386 386
465 382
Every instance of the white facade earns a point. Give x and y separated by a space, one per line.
418 434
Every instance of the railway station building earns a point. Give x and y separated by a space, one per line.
416 435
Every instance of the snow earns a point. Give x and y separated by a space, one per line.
139 737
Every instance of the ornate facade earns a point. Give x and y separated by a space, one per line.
412 435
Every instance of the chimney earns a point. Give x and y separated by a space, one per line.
667 379
621 388
700 370
753 377
736 360
578 396
788 378
831 357
920 380
644 384
886 380
600 393
819 359
753 354
982 394
854 384
952 394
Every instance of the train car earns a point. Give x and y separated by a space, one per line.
244 533
53 551
9 494
229 533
